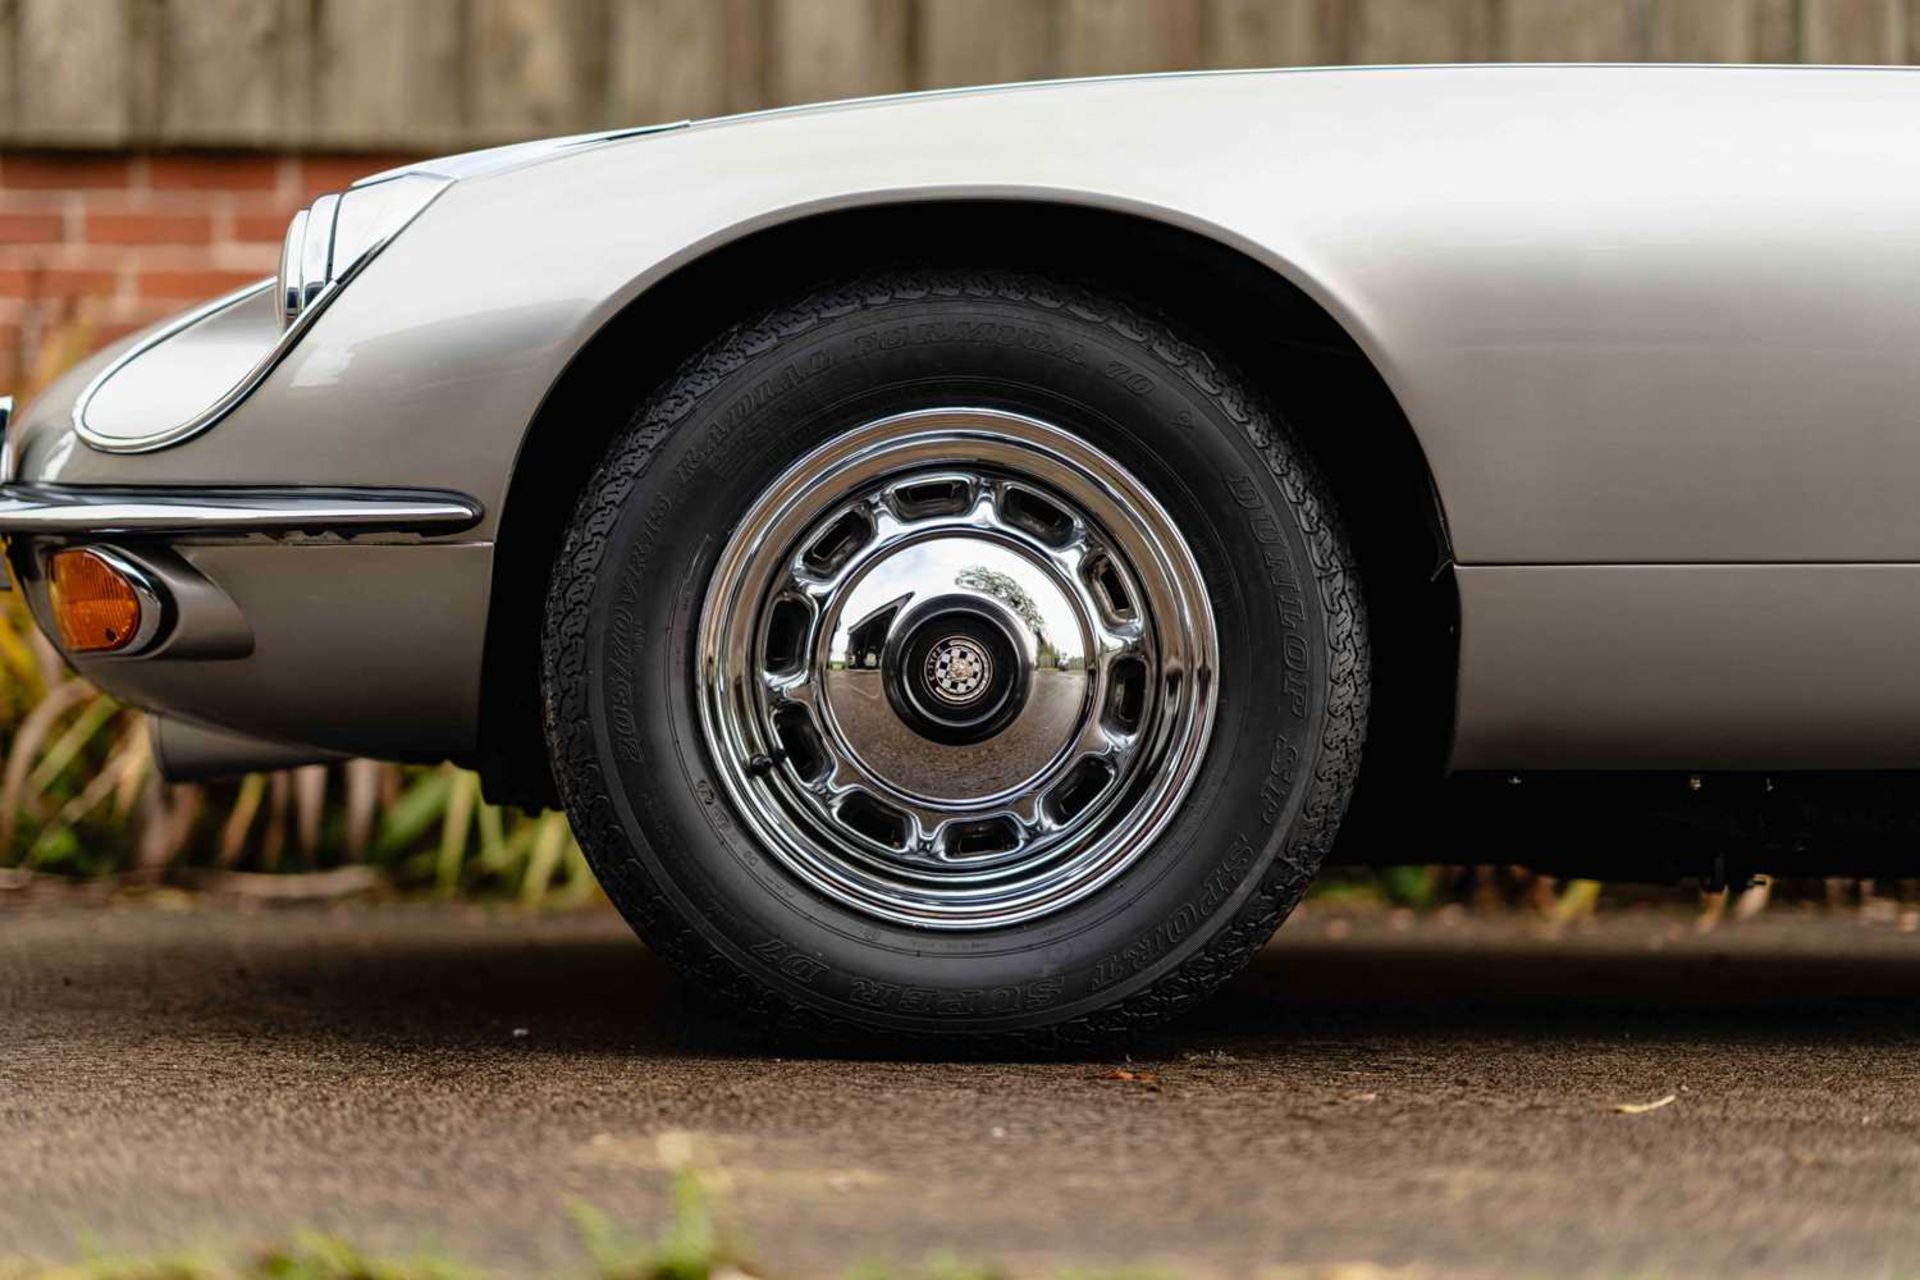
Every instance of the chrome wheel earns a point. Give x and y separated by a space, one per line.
956 669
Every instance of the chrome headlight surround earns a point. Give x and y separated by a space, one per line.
338 234
6 444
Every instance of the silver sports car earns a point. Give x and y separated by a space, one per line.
960 559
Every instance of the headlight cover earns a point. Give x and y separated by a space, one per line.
219 353
336 235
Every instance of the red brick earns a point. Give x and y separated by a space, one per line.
34 257
40 283
189 171
255 259
31 228
261 228
189 286
48 170
148 228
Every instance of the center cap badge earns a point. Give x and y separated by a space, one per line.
958 669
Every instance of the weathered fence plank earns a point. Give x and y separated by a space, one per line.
535 67
233 72
1423 31
1112 37
673 59
9 68
1275 33
1722 31
1572 31
984 42
821 49
1853 31
74 65
390 75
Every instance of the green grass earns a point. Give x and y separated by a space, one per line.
698 1242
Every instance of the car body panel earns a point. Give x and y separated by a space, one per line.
1636 317
1689 667
364 648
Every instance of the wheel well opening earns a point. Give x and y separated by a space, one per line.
1275 335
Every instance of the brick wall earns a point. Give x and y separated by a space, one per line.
94 245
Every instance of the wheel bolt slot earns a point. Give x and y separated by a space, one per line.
837 543
800 743
1079 789
1025 509
875 820
786 636
1126 693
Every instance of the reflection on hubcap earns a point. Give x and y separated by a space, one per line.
979 657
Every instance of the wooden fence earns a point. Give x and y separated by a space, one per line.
413 75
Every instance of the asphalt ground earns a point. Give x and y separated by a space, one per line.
1431 1096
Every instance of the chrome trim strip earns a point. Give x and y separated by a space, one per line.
6 445
289 338
292 251
53 509
316 252
513 155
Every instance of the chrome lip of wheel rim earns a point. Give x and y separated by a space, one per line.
956 669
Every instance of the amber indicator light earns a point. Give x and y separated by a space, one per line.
94 605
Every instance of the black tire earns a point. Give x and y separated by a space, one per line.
625 600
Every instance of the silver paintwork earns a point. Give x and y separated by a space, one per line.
985 836
327 620
1747 666
202 620
1638 317
30 510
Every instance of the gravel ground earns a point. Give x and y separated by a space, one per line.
1432 1097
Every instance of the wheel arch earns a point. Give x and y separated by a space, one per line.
1282 340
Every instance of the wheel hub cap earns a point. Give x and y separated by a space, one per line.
956 669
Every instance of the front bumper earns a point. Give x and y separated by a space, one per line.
304 624
294 622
